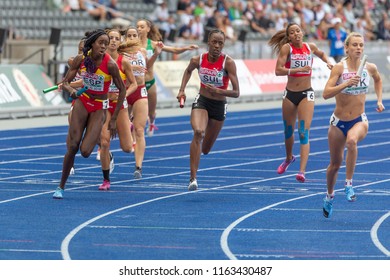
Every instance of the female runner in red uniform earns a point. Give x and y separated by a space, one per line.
295 59
89 110
123 120
208 113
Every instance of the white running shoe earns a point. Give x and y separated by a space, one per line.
137 173
193 186
98 154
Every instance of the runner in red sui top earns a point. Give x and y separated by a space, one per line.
208 113
295 59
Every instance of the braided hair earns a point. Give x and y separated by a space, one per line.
90 38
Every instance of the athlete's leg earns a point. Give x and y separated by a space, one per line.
357 133
305 117
78 122
152 103
124 132
211 134
140 113
92 133
289 114
199 121
336 142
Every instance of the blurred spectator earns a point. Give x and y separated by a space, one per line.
349 14
182 6
322 29
225 25
362 28
209 9
97 12
383 27
73 5
197 28
318 11
235 13
185 17
292 15
199 10
280 20
186 29
212 22
249 11
169 26
160 13
116 17
262 23
223 7
336 38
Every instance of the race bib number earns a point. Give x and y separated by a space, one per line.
94 82
310 95
105 104
333 120
144 92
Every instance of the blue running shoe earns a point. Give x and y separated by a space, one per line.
351 197
328 207
59 193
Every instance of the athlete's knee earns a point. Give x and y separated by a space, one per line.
351 143
139 131
334 167
288 130
104 143
126 147
73 147
199 134
303 133
85 153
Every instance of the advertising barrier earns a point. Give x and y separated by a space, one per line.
21 87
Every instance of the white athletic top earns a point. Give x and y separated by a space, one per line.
137 59
361 88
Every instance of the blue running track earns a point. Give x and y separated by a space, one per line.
243 210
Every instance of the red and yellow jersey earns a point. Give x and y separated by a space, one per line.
98 83
299 58
213 73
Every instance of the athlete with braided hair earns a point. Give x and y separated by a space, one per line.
89 111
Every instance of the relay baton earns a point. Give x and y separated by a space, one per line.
182 102
81 91
46 90
361 66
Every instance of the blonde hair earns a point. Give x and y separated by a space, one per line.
348 39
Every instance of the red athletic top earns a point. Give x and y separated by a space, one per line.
113 87
213 73
99 82
299 58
